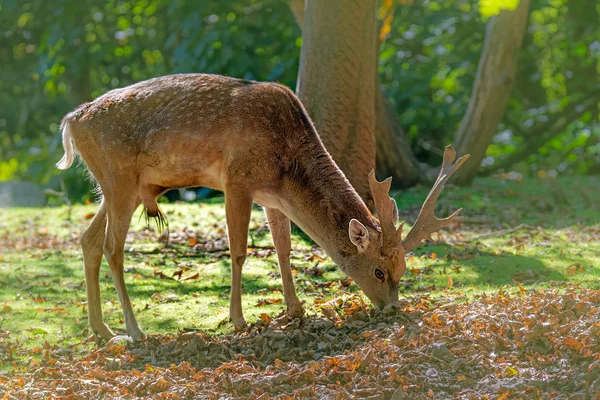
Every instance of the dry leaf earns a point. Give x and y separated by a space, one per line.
575 268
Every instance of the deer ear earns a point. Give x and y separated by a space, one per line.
395 212
359 235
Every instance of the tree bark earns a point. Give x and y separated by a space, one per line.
394 156
336 82
491 89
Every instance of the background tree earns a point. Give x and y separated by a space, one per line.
61 52
394 156
493 83
336 82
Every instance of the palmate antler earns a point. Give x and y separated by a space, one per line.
426 222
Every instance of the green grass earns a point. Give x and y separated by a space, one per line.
42 287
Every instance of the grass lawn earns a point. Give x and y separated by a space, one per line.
513 236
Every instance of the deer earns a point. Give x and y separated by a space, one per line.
255 142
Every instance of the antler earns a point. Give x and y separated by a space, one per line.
427 222
384 205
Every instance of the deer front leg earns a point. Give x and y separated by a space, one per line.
279 225
237 212
91 244
119 218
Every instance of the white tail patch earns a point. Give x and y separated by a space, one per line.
67 160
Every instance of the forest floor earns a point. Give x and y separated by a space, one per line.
506 305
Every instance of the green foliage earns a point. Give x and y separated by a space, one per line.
57 54
552 118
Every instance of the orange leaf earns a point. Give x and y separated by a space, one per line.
386 27
385 8
265 318
316 257
521 288
573 269
450 283
573 344
264 302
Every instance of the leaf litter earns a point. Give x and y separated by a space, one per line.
510 344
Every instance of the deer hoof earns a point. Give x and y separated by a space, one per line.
137 334
103 333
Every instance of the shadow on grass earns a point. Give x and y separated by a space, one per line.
479 269
550 203
498 270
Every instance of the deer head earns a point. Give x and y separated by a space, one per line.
386 247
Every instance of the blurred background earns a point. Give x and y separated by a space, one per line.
57 54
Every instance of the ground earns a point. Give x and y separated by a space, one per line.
504 306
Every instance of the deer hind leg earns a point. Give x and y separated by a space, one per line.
120 211
91 243
279 225
237 211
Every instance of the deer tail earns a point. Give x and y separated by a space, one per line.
67 160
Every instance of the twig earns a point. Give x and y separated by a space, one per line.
500 233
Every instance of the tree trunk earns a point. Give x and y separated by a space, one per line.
491 89
394 156
336 82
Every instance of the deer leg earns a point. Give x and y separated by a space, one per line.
279 225
91 244
237 211
119 219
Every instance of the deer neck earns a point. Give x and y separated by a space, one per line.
321 201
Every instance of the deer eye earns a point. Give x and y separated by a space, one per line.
379 274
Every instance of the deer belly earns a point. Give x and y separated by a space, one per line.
268 200
181 177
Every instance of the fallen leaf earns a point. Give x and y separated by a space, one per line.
315 257
192 277
575 268
264 302
521 288
265 318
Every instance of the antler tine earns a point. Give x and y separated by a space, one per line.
427 222
385 208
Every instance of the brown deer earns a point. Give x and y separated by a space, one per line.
255 142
